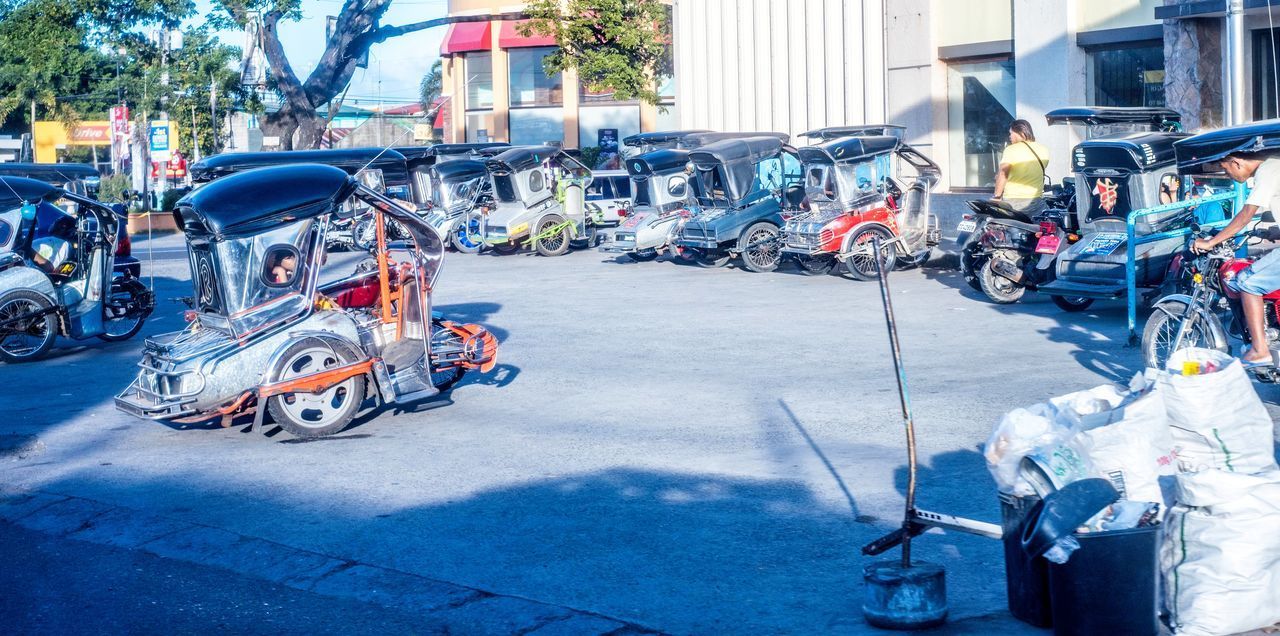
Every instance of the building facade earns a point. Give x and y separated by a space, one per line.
498 91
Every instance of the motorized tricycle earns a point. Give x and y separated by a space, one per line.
738 190
1115 176
855 197
61 283
1205 311
832 133
82 179
660 185
458 189
642 143
538 194
265 336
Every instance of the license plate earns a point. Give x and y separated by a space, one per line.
967 226
1103 244
1048 244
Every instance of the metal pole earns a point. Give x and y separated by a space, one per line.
907 419
1235 63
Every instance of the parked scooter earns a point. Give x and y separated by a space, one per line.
1013 252
1211 311
61 283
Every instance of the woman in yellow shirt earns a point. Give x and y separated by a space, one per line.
1020 179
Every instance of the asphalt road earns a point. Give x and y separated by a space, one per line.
662 448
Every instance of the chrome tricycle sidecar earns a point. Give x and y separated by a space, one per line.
660 187
539 202
265 336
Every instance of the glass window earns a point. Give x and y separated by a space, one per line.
980 107
479 70
480 126
530 85
536 181
1132 76
677 186
599 189
280 266
536 126
1264 74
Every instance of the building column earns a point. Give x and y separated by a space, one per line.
453 83
1049 72
571 92
501 88
1193 77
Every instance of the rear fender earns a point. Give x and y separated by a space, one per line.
846 248
25 277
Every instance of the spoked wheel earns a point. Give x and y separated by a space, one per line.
816 265
1162 328
363 234
761 251
442 338
556 244
27 333
316 414
124 312
999 289
1072 303
861 261
467 236
710 259
643 256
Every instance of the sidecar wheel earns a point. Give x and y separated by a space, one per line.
643 256
363 235
861 263
466 235
510 247
763 253
30 339
555 245
316 414
816 265
1072 303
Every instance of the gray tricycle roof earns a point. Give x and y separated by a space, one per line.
1216 145
866 130
1135 152
352 160
657 161
56 173
14 191
848 149
658 137
700 140
1093 115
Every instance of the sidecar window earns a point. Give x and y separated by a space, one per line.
536 182
677 186
280 265
6 234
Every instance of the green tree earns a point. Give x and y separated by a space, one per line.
431 86
615 45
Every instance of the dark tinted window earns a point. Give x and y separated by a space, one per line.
621 187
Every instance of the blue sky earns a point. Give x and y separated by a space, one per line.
399 62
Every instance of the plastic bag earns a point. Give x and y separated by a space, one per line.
1126 437
1216 419
1032 431
1221 553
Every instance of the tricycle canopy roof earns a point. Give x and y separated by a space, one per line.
868 130
461 170
527 157
56 173
657 161
1136 152
699 140
849 149
255 201
749 149
1093 115
659 137
352 160
1215 145
414 153
15 191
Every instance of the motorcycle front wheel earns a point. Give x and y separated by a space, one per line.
122 315
999 289
1162 328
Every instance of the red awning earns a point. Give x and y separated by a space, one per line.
466 36
510 38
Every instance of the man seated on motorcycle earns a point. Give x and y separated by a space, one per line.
1263 276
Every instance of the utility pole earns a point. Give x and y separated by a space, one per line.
1234 101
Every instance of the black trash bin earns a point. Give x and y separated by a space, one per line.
1108 586
1026 578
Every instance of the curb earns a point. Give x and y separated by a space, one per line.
454 608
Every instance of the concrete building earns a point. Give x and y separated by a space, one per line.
956 73
498 91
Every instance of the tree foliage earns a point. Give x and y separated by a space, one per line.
616 45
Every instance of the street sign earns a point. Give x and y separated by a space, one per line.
159 141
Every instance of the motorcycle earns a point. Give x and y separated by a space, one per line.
1014 252
1211 312
1058 199
62 283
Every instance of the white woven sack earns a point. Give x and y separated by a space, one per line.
1221 553
1216 419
